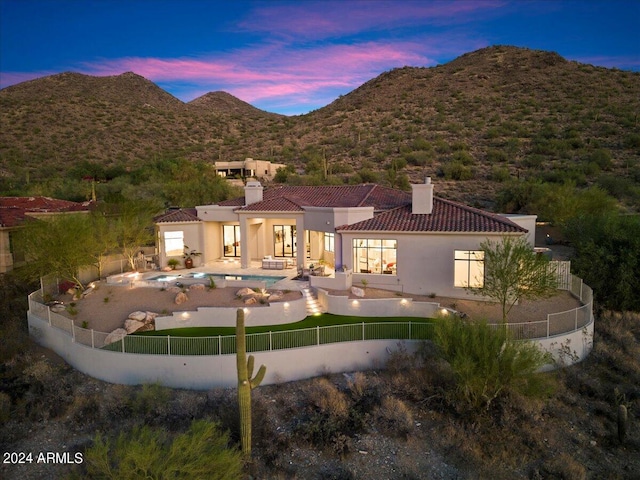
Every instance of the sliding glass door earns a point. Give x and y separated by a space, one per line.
284 240
231 240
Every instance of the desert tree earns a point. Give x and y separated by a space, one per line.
514 272
60 245
151 452
133 225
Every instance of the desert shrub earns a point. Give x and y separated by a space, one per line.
607 257
500 174
487 363
49 390
149 399
496 156
330 419
456 171
566 467
144 452
602 158
365 391
394 417
5 407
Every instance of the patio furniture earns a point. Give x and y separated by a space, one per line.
273 264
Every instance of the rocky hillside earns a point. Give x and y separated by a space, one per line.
488 116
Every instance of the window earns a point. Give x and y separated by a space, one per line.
231 240
374 255
173 243
468 268
329 242
284 240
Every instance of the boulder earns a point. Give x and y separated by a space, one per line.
276 296
358 292
198 286
88 291
146 328
58 308
138 316
181 297
244 292
132 325
150 317
115 336
250 300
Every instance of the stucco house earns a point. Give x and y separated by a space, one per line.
248 167
410 242
14 211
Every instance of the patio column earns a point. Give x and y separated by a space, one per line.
301 242
337 251
245 257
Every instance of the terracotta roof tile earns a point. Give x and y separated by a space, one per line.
14 209
336 196
447 216
178 215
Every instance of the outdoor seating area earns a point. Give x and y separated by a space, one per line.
269 263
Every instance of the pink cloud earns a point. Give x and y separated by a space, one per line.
327 19
273 70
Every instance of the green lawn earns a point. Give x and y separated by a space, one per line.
313 330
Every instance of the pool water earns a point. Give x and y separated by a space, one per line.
268 279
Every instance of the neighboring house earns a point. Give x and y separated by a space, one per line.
15 210
410 242
248 168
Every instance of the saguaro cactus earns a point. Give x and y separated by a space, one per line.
622 422
245 382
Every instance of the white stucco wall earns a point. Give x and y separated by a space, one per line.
380 307
425 262
193 238
275 314
205 372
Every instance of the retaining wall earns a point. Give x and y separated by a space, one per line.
205 372
274 314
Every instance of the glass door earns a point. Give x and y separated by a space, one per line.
284 240
231 240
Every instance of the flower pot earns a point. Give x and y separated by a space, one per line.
188 262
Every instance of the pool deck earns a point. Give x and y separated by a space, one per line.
232 267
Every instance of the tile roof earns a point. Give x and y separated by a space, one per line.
178 215
14 209
447 216
336 196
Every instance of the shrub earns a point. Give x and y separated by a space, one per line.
5 407
457 171
144 452
394 417
487 363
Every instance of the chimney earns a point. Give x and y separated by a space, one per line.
422 198
253 193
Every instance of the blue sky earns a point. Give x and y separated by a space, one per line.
292 57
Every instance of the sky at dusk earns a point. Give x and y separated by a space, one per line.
292 57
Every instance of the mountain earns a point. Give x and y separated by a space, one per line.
224 103
490 115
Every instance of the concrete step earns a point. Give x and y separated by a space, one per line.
313 306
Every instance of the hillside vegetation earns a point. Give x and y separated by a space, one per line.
488 118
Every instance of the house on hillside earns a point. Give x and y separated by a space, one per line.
411 242
14 211
248 168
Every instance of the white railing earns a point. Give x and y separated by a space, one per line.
556 324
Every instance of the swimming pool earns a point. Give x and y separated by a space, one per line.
267 279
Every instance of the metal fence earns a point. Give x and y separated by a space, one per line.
555 324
